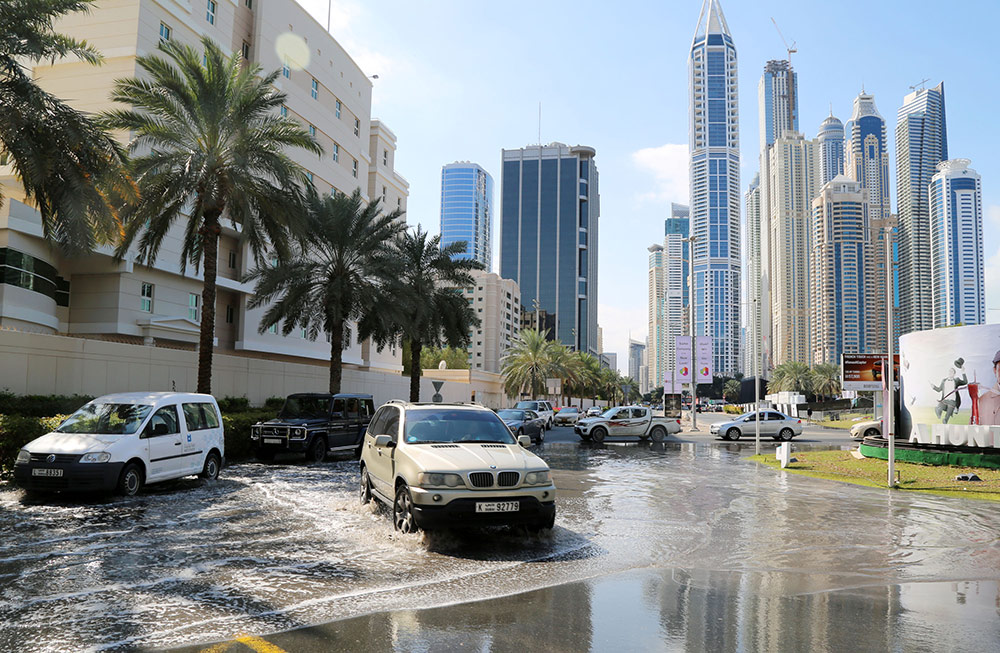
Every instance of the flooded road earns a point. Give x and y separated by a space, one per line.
655 534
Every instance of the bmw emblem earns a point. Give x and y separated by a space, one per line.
51 458
491 466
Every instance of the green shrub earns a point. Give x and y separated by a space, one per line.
237 426
274 403
732 410
40 405
234 404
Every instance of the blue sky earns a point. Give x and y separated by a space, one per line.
461 80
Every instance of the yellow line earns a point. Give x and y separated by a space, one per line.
259 645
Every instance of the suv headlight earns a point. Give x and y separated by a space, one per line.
432 479
298 434
537 478
96 457
254 432
23 457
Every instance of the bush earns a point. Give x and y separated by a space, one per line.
274 403
732 410
234 404
237 426
40 405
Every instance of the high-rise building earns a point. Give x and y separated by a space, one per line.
839 271
609 359
754 310
496 302
778 105
636 353
956 254
830 149
715 186
669 265
550 206
921 144
793 186
155 305
656 347
467 210
866 161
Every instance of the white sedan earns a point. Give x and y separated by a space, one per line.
772 424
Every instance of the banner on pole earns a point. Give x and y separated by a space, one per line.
686 368
704 359
682 351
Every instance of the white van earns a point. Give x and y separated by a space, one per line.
123 441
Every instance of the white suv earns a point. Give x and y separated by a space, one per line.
453 465
543 408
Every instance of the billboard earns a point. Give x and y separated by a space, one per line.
950 386
864 372
703 359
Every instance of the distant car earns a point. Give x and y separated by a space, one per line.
453 465
567 415
594 411
314 424
773 425
628 421
524 422
124 441
543 408
867 429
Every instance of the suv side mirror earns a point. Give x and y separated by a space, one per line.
383 441
524 440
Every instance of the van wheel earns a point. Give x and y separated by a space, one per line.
658 434
212 466
317 452
130 482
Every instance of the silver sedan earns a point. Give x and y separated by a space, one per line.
772 424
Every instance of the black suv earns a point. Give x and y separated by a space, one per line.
314 424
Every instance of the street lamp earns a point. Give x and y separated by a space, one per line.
887 225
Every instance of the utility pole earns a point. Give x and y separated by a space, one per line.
691 240
756 375
890 409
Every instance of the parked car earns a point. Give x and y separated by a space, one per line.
124 441
314 424
627 421
867 429
569 415
524 422
543 408
594 411
453 465
773 425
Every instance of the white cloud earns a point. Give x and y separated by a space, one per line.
618 324
668 166
991 277
993 215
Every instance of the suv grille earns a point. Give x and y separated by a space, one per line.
60 457
274 431
481 479
507 479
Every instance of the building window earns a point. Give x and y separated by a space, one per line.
249 4
357 127
347 337
305 335
210 12
312 130
286 72
146 302
194 311
337 111
383 194
230 314
284 111
314 89
273 328
310 176
399 203
246 50
232 259
385 158
164 32
354 170
336 152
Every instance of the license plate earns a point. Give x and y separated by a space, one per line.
46 472
273 441
497 506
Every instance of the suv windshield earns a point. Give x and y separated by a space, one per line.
304 406
528 405
450 425
111 419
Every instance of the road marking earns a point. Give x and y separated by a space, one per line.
255 643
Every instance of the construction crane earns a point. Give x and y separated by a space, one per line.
791 48
919 85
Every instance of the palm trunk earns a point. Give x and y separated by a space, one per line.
336 355
206 343
415 348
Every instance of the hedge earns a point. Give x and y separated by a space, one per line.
40 405
18 430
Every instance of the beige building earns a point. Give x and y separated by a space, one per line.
496 302
794 182
95 297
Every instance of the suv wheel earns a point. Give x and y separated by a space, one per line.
365 487
733 434
402 511
786 434
317 452
599 434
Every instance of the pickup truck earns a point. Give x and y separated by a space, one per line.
627 421
314 424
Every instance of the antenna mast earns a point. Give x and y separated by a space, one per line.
539 123
921 85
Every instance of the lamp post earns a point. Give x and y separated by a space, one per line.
691 240
890 409
756 375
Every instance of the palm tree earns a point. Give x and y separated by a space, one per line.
528 363
826 379
214 148
791 376
566 366
66 164
427 305
731 391
342 261
587 376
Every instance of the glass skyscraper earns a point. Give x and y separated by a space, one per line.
830 149
921 144
467 210
548 238
715 186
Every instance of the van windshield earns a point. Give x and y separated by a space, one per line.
111 419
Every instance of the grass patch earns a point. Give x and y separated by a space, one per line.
846 421
871 472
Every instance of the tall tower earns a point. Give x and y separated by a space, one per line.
830 149
676 267
656 347
715 185
754 308
467 210
956 252
548 238
921 144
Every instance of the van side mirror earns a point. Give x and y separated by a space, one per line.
383 441
524 440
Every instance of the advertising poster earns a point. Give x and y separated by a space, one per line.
703 362
864 372
682 347
950 386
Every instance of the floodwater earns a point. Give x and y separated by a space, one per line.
655 548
